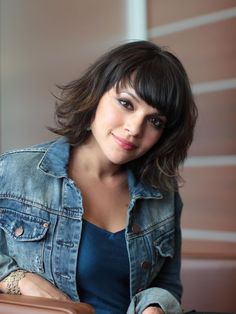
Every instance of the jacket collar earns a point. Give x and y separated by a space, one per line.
140 190
55 160
55 163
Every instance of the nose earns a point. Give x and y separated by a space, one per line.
135 126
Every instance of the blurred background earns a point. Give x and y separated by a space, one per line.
49 42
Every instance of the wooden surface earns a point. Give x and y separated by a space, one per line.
168 11
216 126
208 249
208 53
209 198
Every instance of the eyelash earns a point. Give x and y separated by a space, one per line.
125 103
156 122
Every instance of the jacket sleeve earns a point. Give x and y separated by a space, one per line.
7 264
166 289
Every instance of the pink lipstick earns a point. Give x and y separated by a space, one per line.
124 143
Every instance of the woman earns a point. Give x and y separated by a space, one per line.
94 216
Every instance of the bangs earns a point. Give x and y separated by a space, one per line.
160 80
158 85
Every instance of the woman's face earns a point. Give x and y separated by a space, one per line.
125 127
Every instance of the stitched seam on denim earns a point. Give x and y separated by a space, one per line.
72 213
154 227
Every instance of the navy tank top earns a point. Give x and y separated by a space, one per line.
103 270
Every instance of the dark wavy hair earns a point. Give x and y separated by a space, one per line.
159 78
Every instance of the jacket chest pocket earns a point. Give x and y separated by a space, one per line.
164 247
164 242
149 251
160 245
25 237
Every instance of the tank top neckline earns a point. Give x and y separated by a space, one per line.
102 230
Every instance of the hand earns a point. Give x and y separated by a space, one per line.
153 310
34 285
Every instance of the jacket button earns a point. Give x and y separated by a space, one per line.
45 225
19 231
145 265
136 228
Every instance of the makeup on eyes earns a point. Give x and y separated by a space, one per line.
156 119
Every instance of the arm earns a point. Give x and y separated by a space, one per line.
14 282
7 264
166 289
153 310
30 284
169 276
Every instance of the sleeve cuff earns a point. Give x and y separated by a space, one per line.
147 297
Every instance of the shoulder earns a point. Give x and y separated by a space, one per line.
37 148
22 158
170 204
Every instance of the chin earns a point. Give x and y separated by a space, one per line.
119 161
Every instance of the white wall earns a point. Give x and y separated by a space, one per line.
43 43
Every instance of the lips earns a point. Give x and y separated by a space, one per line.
124 143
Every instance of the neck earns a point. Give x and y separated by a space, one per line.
86 159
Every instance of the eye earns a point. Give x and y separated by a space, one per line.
157 122
126 103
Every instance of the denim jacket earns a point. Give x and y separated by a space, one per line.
41 213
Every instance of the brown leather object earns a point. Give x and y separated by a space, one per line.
19 304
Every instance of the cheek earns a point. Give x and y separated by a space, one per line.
102 117
111 118
151 138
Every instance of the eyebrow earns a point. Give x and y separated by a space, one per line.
130 94
154 114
